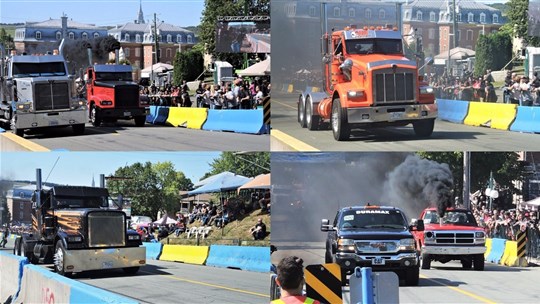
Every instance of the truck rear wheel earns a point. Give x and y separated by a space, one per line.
59 254
426 261
478 262
313 122
412 276
78 129
95 118
140 121
301 112
131 270
424 128
340 124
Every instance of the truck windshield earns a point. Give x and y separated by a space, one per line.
376 218
80 202
21 69
374 46
114 76
454 217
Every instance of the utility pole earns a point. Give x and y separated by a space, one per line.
466 179
455 22
156 39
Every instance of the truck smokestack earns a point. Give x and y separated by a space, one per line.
39 186
89 51
2 55
117 56
61 47
102 180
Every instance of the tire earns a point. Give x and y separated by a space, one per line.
16 131
301 112
467 263
328 257
131 270
340 125
59 254
140 121
424 128
313 122
412 276
95 118
78 129
478 262
426 261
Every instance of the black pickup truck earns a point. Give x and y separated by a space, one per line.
376 237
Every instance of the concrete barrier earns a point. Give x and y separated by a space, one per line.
12 142
40 285
192 118
158 115
510 257
185 254
527 120
497 250
452 110
152 114
240 257
153 250
488 248
240 121
495 115
11 271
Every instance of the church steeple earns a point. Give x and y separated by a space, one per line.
140 19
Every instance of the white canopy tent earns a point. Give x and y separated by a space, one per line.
258 69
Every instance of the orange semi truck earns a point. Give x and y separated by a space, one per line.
368 82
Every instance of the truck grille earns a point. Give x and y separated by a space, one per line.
393 87
51 96
126 96
454 237
106 229
367 247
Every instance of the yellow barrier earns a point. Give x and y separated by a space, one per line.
510 257
496 115
185 254
316 89
192 118
290 88
488 248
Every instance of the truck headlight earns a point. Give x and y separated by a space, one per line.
406 244
345 245
355 94
479 237
26 106
78 104
426 90
134 237
74 239
429 237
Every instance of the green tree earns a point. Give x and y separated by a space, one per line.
151 187
250 165
6 40
187 66
498 43
518 21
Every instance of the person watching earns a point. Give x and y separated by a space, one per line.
290 277
259 230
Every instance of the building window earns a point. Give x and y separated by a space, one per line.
368 13
482 18
459 17
126 37
382 14
168 53
469 35
126 52
352 12
169 38
495 18
96 35
419 16
458 35
38 35
407 15
84 36
470 17
137 52
312 11
58 35
137 38
71 35
178 38
431 33
189 39
432 16
337 12
290 10
160 37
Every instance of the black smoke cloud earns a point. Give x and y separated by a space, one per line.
75 52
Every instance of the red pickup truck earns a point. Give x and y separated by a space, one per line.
455 236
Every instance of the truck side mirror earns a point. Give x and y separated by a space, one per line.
325 226
417 225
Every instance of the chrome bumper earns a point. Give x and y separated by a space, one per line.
453 250
110 258
395 113
31 120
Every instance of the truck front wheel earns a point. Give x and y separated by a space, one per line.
95 118
426 261
140 121
424 128
340 124
478 262
412 277
59 254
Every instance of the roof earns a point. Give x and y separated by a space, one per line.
442 5
57 23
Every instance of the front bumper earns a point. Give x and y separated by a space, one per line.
453 250
110 258
128 113
392 114
401 261
29 120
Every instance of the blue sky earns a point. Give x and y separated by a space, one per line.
102 12
78 168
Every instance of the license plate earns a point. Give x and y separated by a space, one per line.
53 123
127 113
396 115
107 265
377 261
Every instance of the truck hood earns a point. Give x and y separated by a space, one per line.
378 61
371 234
451 227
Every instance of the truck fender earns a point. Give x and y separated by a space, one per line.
62 236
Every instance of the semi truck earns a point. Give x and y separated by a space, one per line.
76 229
37 92
367 82
111 94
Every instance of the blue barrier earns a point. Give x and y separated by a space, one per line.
11 271
527 120
2 130
152 114
153 250
162 113
240 121
497 250
453 110
241 257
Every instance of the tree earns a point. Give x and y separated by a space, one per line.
6 40
187 66
249 165
498 43
151 187
518 21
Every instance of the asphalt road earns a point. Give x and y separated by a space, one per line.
444 283
124 136
447 136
